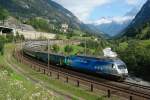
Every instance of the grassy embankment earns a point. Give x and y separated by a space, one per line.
16 86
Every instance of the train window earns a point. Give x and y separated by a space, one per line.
121 67
98 67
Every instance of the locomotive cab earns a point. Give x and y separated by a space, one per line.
121 69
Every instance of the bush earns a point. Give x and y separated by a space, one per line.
3 14
19 37
55 48
137 58
40 24
2 43
9 38
68 49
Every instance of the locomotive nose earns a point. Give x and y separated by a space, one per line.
122 70
125 75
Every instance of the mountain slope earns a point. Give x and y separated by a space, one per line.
113 28
47 9
139 26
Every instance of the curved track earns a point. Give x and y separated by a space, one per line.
119 88
125 89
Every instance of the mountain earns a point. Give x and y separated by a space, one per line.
113 26
46 9
139 27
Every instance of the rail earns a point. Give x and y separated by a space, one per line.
91 82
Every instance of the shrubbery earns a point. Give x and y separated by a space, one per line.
141 32
137 58
68 49
3 14
55 48
9 38
40 24
2 43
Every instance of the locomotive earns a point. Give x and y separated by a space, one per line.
106 67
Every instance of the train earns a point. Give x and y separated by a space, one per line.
112 68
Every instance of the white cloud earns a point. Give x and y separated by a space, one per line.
132 2
136 2
119 20
82 8
101 21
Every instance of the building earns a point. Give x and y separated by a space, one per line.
64 28
36 35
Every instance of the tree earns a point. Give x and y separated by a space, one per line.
19 37
69 35
137 58
9 37
55 48
22 37
40 24
3 14
58 36
68 49
2 43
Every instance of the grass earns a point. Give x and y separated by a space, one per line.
16 86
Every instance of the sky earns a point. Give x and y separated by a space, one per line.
89 11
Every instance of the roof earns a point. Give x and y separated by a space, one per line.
96 58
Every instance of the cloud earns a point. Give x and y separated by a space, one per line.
119 20
101 21
82 8
136 2
132 2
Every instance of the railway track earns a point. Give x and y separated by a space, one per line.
137 85
125 89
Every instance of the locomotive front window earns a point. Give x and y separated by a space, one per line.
121 67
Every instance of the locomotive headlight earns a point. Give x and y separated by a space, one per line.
113 66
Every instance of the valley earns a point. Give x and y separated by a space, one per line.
44 20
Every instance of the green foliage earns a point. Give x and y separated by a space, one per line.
40 24
95 45
19 37
10 38
137 56
22 37
69 35
2 43
142 32
58 36
68 49
3 14
55 48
